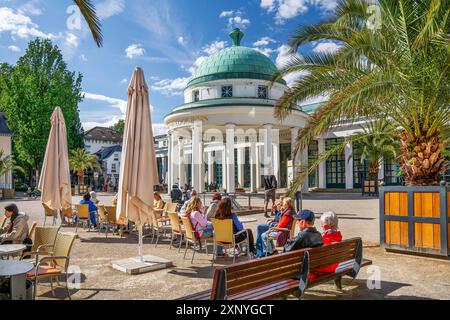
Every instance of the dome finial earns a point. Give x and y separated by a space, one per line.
237 36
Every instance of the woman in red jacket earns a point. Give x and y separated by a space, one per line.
329 222
286 220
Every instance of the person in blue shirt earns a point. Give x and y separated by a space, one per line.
92 208
225 211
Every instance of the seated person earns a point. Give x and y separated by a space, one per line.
308 236
158 202
225 211
278 209
211 213
16 231
176 195
92 209
186 203
263 246
330 235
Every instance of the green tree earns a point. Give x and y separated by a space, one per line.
7 164
29 92
80 161
376 141
119 126
393 63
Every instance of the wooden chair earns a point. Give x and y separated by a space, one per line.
177 230
171 207
191 238
279 275
53 264
275 229
50 213
103 220
83 214
158 229
224 237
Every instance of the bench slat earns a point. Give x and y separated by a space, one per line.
267 291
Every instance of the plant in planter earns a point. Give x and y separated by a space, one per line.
395 68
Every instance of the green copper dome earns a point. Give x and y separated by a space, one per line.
235 62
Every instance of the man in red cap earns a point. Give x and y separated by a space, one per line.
211 213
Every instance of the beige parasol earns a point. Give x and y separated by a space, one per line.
54 183
138 172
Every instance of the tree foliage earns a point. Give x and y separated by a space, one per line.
29 92
396 68
80 160
119 126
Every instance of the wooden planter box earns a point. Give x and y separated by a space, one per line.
415 219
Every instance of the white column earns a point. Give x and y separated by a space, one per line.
197 157
229 157
224 169
381 170
170 163
276 154
267 148
349 166
304 164
210 167
258 167
253 165
241 163
181 163
323 166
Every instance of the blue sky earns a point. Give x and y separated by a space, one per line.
167 38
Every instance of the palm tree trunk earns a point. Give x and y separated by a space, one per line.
422 160
373 170
81 177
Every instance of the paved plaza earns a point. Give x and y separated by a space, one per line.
402 277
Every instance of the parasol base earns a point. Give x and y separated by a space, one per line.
135 266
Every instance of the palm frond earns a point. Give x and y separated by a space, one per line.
87 9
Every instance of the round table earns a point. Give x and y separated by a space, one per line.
17 272
11 249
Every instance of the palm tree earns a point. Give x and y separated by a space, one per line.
80 161
7 164
87 9
397 71
376 141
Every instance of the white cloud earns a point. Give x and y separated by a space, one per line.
225 14
20 25
114 102
238 22
109 8
265 51
124 80
83 57
31 8
235 19
172 87
288 9
14 48
134 50
264 41
72 40
269 5
159 129
182 41
326 47
214 47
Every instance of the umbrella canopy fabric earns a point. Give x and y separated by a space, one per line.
138 172
54 183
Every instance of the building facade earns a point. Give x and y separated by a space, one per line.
6 180
226 133
100 137
109 159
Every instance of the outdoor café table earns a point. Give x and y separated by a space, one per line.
16 271
7 250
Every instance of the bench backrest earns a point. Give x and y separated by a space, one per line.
252 274
248 275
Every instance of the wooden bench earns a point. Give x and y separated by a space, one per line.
278 275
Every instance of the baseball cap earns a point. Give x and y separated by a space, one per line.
216 196
307 215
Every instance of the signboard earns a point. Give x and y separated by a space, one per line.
290 173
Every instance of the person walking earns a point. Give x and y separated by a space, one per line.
270 190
